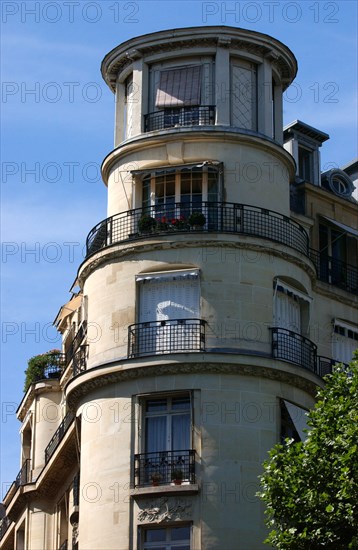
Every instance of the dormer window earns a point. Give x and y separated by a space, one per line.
305 163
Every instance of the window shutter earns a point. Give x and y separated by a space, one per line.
179 87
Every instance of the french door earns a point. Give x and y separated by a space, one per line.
165 307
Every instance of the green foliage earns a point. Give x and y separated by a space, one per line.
146 223
197 218
39 364
311 488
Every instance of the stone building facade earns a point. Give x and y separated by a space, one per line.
219 290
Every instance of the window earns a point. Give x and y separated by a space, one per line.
177 193
167 424
169 312
293 421
345 341
244 96
129 101
305 163
290 306
291 321
169 538
63 521
334 246
167 455
179 87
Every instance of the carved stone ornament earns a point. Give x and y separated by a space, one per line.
164 509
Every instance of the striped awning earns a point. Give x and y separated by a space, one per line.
167 276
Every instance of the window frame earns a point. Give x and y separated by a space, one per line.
168 544
143 400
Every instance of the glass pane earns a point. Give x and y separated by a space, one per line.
146 191
212 186
170 187
179 403
159 190
185 187
154 405
155 535
180 431
156 434
181 533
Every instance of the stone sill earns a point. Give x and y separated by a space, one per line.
170 489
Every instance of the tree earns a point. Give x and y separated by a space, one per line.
311 488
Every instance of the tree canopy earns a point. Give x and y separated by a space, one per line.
311 488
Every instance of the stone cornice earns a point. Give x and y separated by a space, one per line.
204 39
108 374
131 250
204 134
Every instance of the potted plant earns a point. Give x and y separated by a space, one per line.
146 223
177 476
46 365
197 219
162 223
179 223
156 478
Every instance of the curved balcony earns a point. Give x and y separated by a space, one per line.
174 117
170 336
292 347
335 272
218 217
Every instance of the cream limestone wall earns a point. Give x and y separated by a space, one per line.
255 171
47 417
236 421
236 292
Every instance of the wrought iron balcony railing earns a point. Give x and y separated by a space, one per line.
164 467
171 336
219 217
79 363
174 117
5 523
24 475
294 348
58 436
75 343
335 272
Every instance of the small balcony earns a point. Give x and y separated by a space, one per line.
179 218
164 468
175 117
58 436
79 362
24 475
73 344
171 336
335 272
292 347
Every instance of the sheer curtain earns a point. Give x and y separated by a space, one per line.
156 434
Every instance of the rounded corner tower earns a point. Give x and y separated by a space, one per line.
197 290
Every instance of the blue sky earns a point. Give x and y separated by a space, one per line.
57 126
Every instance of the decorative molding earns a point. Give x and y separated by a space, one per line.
164 509
124 371
128 249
